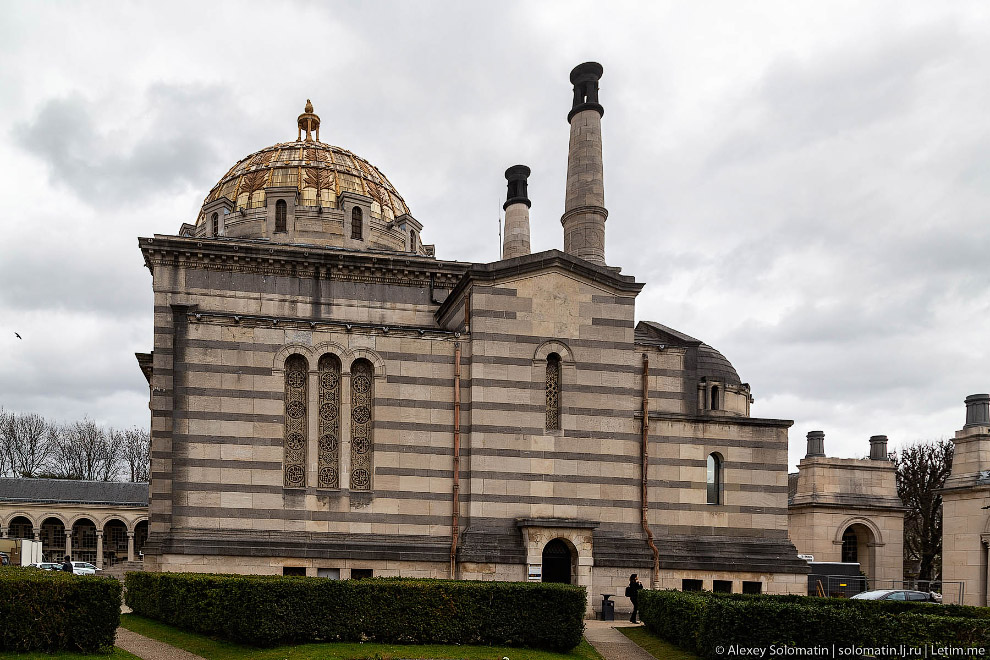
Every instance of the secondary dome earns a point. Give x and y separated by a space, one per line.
300 192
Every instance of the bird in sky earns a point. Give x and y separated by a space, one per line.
18 336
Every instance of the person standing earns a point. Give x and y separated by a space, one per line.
632 593
67 564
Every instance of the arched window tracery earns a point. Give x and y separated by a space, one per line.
328 459
553 392
357 224
362 423
216 224
296 425
281 212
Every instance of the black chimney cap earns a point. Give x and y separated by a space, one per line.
518 193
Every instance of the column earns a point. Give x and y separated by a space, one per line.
37 533
130 546
3 532
68 541
99 548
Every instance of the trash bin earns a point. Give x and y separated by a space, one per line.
608 608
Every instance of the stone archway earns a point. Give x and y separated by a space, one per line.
558 562
859 546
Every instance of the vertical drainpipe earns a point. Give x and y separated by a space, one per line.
655 578
457 460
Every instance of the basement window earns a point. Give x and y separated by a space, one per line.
752 588
692 585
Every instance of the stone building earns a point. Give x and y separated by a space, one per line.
99 522
966 505
848 510
328 398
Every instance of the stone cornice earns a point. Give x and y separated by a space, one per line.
731 421
294 260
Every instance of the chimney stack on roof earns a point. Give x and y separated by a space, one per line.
516 242
816 444
878 448
977 410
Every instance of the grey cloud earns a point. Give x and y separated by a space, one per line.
179 143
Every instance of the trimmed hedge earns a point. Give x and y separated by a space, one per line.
704 622
273 610
54 611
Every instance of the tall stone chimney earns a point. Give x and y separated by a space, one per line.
878 448
816 444
584 201
516 243
977 410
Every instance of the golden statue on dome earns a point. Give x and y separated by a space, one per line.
310 122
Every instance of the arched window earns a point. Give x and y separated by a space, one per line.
280 213
362 422
328 461
850 546
412 240
216 224
296 426
714 479
715 398
553 392
357 228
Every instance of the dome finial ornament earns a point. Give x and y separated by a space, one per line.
310 122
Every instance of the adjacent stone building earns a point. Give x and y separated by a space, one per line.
328 398
966 505
848 510
96 521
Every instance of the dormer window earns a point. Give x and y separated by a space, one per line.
357 224
281 210
412 240
216 224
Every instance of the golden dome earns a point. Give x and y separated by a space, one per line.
318 171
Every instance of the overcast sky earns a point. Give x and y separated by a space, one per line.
803 185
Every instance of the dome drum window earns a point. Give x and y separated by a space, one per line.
281 213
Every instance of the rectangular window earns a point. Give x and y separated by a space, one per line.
752 587
692 585
722 586
296 571
361 573
331 573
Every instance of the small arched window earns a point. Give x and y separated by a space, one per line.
716 402
553 392
850 546
216 224
412 240
357 228
281 210
714 479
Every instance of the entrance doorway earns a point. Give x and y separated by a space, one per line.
557 562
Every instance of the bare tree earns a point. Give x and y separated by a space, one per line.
137 453
85 450
26 443
921 472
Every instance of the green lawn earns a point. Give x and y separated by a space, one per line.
118 654
213 649
656 646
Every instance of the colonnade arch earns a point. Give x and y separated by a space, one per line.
103 540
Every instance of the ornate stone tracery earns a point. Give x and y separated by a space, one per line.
328 457
553 392
362 421
296 427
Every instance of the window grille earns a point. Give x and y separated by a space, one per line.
362 422
296 426
281 210
553 392
328 460
357 224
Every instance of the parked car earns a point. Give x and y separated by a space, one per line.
900 594
83 568
46 566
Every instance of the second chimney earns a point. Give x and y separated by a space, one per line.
878 448
516 242
816 444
